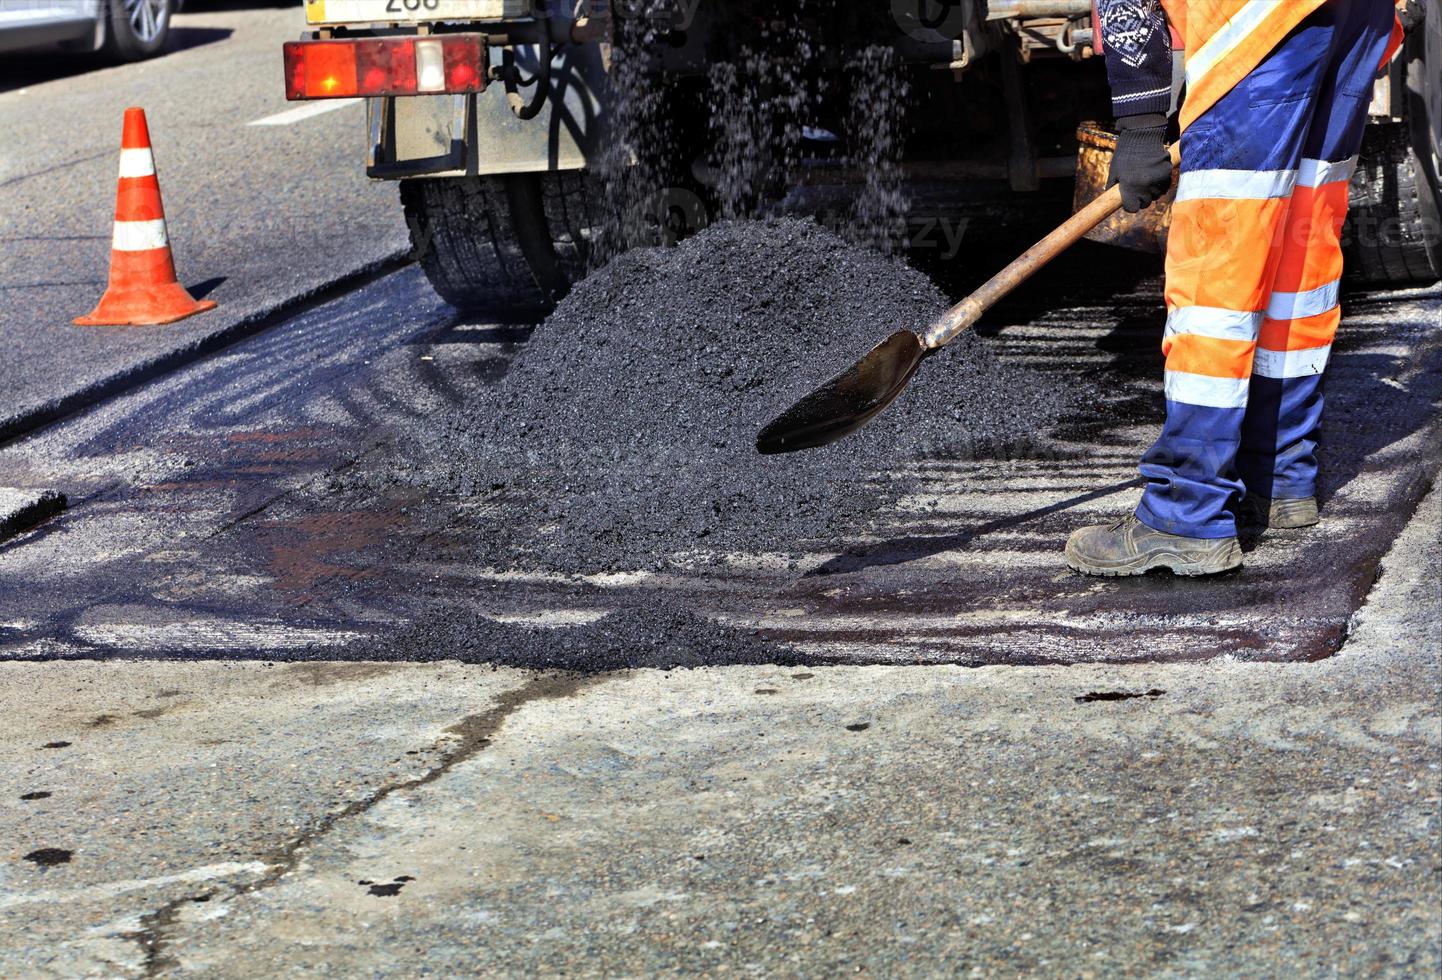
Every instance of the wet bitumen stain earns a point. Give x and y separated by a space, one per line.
55 745
38 794
1154 693
389 889
48 857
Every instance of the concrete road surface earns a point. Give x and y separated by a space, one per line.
345 819
259 215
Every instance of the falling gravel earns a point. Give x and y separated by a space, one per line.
625 430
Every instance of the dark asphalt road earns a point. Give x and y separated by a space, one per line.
258 215
212 512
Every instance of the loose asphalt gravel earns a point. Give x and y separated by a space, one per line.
629 420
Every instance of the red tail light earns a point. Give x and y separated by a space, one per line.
343 69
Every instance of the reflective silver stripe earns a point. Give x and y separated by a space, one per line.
1252 185
1231 34
1212 321
139 236
136 163
1291 363
1294 306
1315 173
1201 389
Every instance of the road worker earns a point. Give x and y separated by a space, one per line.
1275 100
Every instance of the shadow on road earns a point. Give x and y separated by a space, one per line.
19 71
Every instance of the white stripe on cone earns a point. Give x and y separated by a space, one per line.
139 236
137 163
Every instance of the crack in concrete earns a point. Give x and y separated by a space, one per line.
467 737
151 935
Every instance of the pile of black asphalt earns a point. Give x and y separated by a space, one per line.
623 436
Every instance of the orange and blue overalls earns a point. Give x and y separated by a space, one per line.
1276 99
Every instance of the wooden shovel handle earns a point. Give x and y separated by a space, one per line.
964 314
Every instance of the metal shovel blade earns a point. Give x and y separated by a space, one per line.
847 401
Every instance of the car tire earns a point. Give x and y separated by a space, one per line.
508 240
137 29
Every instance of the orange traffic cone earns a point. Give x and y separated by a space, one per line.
143 288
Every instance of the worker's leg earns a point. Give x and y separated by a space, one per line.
1239 166
1278 458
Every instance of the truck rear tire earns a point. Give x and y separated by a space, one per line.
508 240
1394 233
1390 238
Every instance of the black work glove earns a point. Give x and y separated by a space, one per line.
1411 14
1141 164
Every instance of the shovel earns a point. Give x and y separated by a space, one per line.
852 398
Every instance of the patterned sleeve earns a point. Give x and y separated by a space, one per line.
1138 52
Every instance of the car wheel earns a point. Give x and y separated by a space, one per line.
137 28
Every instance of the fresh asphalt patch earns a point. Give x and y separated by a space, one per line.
251 504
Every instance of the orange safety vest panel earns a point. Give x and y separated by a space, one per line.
1226 39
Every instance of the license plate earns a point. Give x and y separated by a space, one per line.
408 11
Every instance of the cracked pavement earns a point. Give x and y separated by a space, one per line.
254 818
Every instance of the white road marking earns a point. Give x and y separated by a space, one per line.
306 111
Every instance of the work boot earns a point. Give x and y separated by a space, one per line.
1129 547
1280 512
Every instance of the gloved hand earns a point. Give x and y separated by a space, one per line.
1410 14
1141 164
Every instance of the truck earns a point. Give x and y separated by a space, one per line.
505 122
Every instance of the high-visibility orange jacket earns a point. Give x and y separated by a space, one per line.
1226 39
1223 41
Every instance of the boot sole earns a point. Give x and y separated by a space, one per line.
1225 560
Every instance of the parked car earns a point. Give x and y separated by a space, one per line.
125 29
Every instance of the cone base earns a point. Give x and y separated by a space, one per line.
150 306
